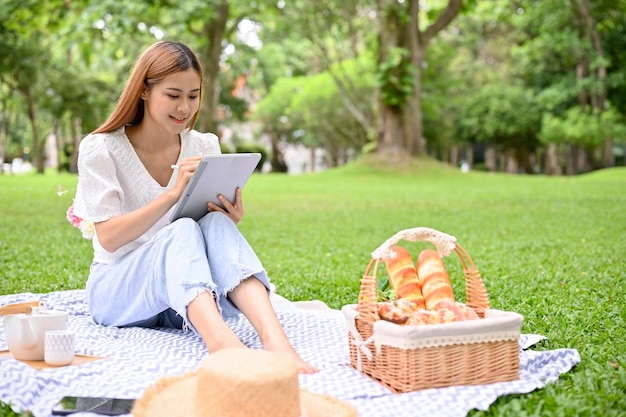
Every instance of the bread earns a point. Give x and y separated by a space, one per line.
421 317
450 311
434 280
403 276
397 311
424 292
468 312
446 313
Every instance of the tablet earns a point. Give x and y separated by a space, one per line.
216 174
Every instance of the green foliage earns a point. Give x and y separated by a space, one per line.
503 114
71 58
581 128
272 109
296 105
443 82
396 78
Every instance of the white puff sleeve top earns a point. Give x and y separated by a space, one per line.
112 181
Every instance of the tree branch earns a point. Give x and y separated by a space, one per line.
451 11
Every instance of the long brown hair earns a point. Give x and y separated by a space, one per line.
160 60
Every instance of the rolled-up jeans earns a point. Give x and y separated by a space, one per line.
152 285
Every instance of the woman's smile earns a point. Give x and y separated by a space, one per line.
179 120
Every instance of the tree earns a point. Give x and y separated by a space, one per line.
326 37
21 64
304 110
506 116
402 46
562 55
581 129
63 64
212 25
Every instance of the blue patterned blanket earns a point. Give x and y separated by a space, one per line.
136 358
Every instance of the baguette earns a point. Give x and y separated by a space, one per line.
403 277
434 280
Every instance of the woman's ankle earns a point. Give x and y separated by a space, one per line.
225 342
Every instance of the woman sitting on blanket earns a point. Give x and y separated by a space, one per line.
149 272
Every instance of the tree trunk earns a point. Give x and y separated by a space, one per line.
491 158
391 134
512 167
469 156
76 134
581 161
522 156
214 32
400 126
4 130
58 143
278 158
454 155
569 160
608 159
37 151
393 128
312 159
552 160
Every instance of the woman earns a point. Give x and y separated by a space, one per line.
147 272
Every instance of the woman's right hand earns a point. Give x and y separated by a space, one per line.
186 168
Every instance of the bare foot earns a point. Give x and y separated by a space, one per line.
286 348
204 315
252 299
225 342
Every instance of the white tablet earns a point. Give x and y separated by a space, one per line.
216 174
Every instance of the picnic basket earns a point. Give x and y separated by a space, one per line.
408 358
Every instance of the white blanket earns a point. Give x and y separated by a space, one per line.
136 358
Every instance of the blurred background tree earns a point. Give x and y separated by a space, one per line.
507 85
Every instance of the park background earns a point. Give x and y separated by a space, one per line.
385 101
498 85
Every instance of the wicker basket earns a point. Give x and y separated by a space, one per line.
410 358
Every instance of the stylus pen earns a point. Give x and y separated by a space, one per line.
174 166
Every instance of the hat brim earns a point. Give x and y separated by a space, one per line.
175 397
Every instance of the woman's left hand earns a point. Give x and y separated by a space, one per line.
234 210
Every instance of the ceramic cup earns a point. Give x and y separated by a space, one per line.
59 347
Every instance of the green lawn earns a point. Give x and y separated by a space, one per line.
551 249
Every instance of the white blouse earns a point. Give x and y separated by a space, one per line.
113 181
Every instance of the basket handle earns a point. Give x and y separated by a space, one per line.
444 243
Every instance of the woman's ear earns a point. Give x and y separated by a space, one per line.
144 93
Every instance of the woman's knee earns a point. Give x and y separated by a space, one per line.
216 220
185 228
184 223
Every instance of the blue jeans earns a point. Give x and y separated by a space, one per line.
152 285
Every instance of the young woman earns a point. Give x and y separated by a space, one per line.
146 271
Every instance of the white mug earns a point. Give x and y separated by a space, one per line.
59 347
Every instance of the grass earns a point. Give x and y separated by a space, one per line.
551 249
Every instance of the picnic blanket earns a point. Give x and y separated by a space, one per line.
135 358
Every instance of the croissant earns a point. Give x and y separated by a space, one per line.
446 313
403 276
397 311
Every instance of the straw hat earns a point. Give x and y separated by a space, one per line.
238 383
